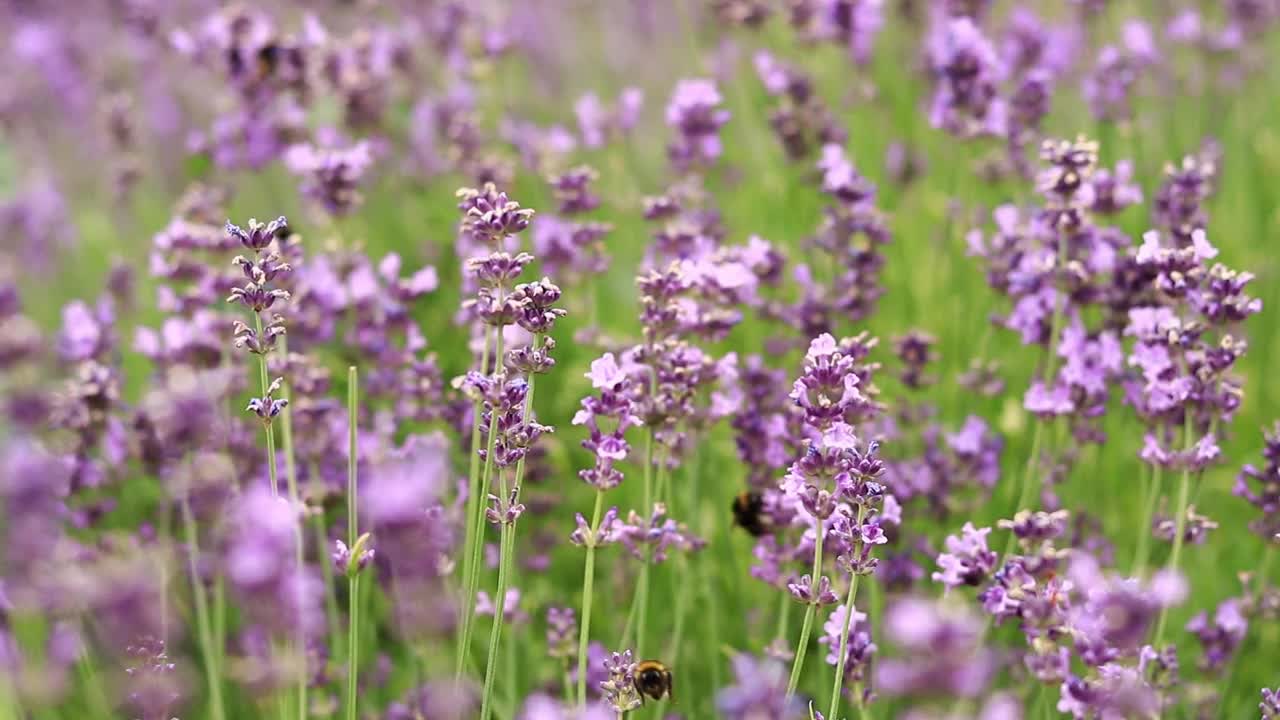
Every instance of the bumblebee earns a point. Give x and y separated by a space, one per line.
652 678
748 513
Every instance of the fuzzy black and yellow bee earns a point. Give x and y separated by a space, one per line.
748 513
653 679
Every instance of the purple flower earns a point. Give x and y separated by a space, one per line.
620 689
759 692
1221 637
966 73
1270 705
651 538
1261 487
331 174
940 651
695 113
968 560
562 632
859 648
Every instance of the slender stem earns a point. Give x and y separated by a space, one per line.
97 695
567 681
803 647
353 449
640 600
1144 531
499 605
477 548
263 375
784 615
1028 480
588 586
353 527
1180 522
1025 493
203 626
507 549
291 480
353 646
844 634
326 571
220 620
474 500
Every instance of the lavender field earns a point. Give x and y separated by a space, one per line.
645 359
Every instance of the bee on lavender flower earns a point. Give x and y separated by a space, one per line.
748 513
653 679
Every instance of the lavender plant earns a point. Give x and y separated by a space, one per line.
1041 495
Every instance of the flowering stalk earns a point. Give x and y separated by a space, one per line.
353 579
807 627
491 217
265 380
844 634
588 587
477 548
507 537
203 626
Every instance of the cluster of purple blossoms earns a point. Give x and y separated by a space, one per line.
851 237
1261 488
651 538
759 690
1220 637
620 688
858 646
259 294
570 246
947 462
967 73
1185 348
830 490
597 122
1109 87
801 120
331 172
941 651
696 115
615 407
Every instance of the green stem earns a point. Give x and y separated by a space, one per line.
353 449
353 527
353 646
203 626
264 376
291 480
1180 522
499 604
640 601
469 569
1028 481
326 569
477 548
1025 493
803 647
1144 530
588 586
784 615
844 634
